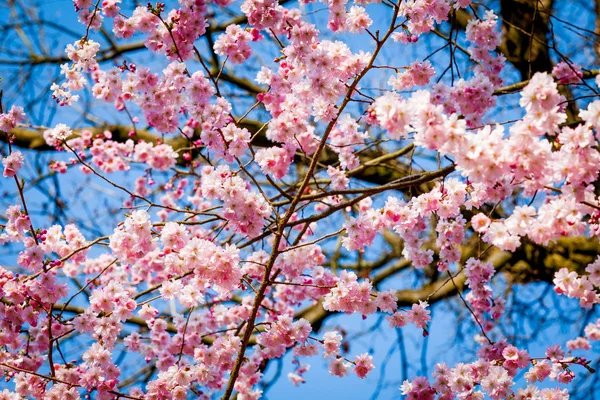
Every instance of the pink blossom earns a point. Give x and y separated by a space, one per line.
339 181
419 315
417 74
363 365
56 135
275 160
338 367
234 44
12 164
386 301
483 33
358 19
566 73
10 119
331 343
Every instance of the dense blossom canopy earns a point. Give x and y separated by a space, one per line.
221 270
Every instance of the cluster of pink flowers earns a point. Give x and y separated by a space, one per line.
160 99
275 161
263 14
592 334
363 364
361 231
541 101
173 34
494 162
313 288
10 119
479 274
343 139
309 82
350 296
473 98
57 135
339 180
357 19
338 365
142 20
567 73
591 115
108 155
26 304
393 114
485 38
244 209
234 44
113 298
133 239
12 164
108 85
506 234
160 157
451 233
300 261
418 315
283 334
423 14
64 241
577 160
483 33
492 375
174 381
17 223
420 388
82 53
215 264
417 74
407 222
583 287
69 242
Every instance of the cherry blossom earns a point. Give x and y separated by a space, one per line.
222 248
12 164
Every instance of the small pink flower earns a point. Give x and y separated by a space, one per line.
566 73
364 365
480 223
338 367
12 164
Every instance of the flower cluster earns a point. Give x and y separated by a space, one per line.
583 287
418 315
350 296
283 334
566 73
55 136
82 53
423 14
234 44
485 38
10 119
417 74
244 209
133 239
12 164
